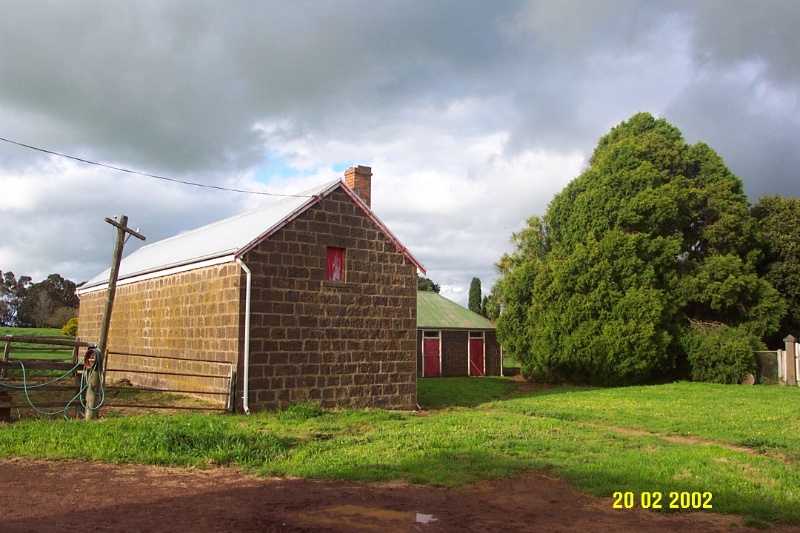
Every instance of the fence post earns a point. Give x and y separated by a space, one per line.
6 350
791 376
230 402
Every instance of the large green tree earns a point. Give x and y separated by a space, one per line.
12 293
778 219
474 303
639 265
49 303
490 306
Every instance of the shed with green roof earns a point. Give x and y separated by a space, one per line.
454 341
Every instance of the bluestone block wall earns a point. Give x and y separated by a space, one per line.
339 343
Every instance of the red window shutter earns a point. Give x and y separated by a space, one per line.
335 270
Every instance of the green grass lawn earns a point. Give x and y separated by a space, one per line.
744 449
31 332
36 351
763 418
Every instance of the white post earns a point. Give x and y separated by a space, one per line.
791 360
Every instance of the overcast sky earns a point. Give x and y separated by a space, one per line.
471 114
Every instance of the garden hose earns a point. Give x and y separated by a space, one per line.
90 365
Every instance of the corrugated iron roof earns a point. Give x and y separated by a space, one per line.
437 312
231 237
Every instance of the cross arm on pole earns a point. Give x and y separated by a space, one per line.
125 228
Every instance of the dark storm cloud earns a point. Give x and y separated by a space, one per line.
460 106
182 84
731 31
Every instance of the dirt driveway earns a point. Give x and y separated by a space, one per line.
73 496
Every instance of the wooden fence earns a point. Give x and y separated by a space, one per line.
46 378
210 381
41 384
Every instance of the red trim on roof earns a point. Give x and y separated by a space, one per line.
358 201
382 226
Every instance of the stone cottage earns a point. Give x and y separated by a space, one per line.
310 298
454 341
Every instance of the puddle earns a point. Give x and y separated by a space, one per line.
425 518
363 518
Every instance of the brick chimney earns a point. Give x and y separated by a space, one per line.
359 179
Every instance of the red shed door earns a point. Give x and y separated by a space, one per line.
431 367
476 366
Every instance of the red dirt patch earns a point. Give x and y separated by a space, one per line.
73 496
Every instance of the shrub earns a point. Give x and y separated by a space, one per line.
720 354
71 327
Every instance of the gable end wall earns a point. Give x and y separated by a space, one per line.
350 343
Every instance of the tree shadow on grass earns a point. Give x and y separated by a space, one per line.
539 389
454 392
436 394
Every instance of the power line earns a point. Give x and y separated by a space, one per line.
145 174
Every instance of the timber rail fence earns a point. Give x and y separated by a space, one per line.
204 379
31 376
48 373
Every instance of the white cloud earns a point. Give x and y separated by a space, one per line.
472 114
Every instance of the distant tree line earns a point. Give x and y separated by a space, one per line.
650 265
49 303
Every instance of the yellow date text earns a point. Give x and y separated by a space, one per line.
658 500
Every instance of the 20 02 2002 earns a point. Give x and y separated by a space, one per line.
655 500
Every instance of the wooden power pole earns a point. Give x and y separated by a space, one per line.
99 369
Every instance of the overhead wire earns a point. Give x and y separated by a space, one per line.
147 175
